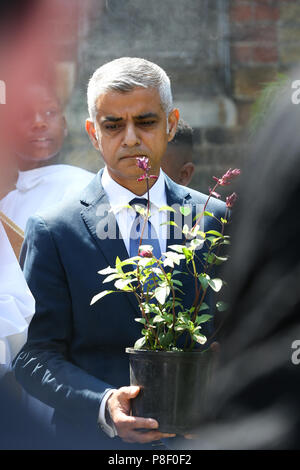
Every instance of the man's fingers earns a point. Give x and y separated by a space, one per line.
144 423
144 438
134 422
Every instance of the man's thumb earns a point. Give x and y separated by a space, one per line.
133 391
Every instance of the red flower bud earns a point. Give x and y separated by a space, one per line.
213 193
146 254
230 200
227 177
143 163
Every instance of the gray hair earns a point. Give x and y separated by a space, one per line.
124 75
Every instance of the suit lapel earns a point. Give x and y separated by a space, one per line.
103 227
176 196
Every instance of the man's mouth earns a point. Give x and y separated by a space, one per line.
132 156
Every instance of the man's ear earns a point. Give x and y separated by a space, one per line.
173 121
186 173
90 128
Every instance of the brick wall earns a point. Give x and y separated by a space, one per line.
264 39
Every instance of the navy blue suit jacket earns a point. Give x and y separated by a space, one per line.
75 351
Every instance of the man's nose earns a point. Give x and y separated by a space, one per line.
39 121
131 137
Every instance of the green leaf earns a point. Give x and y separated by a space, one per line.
211 258
166 339
185 229
175 257
188 254
119 265
200 214
203 319
224 221
196 243
204 306
140 343
166 208
107 270
216 284
158 319
221 306
204 279
100 295
122 284
180 328
199 338
111 277
161 293
176 282
171 222
220 259
185 210
177 248
214 232
141 320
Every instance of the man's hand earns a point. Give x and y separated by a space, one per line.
128 426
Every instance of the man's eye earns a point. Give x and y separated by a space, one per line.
111 127
147 123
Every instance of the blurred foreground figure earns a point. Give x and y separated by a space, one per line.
26 52
177 161
254 398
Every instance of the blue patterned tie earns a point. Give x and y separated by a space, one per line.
149 235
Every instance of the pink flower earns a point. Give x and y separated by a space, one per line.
146 254
230 200
143 163
153 176
141 178
227 177
213 193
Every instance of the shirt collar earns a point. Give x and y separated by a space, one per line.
119 196
30 178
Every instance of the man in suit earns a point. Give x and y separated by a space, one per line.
75 359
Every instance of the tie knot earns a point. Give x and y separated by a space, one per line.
141 201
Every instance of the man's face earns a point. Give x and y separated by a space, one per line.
40 127
129 125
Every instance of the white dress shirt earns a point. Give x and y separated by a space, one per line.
119 197
41 188
17 304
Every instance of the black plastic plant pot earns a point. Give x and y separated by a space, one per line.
173 387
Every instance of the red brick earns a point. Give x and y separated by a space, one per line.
254 32
264 54
266 12
241 13
241 53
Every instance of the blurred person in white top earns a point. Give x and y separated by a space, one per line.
16 305
39 132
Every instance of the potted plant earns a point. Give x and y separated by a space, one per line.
171 362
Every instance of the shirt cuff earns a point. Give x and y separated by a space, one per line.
110 428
